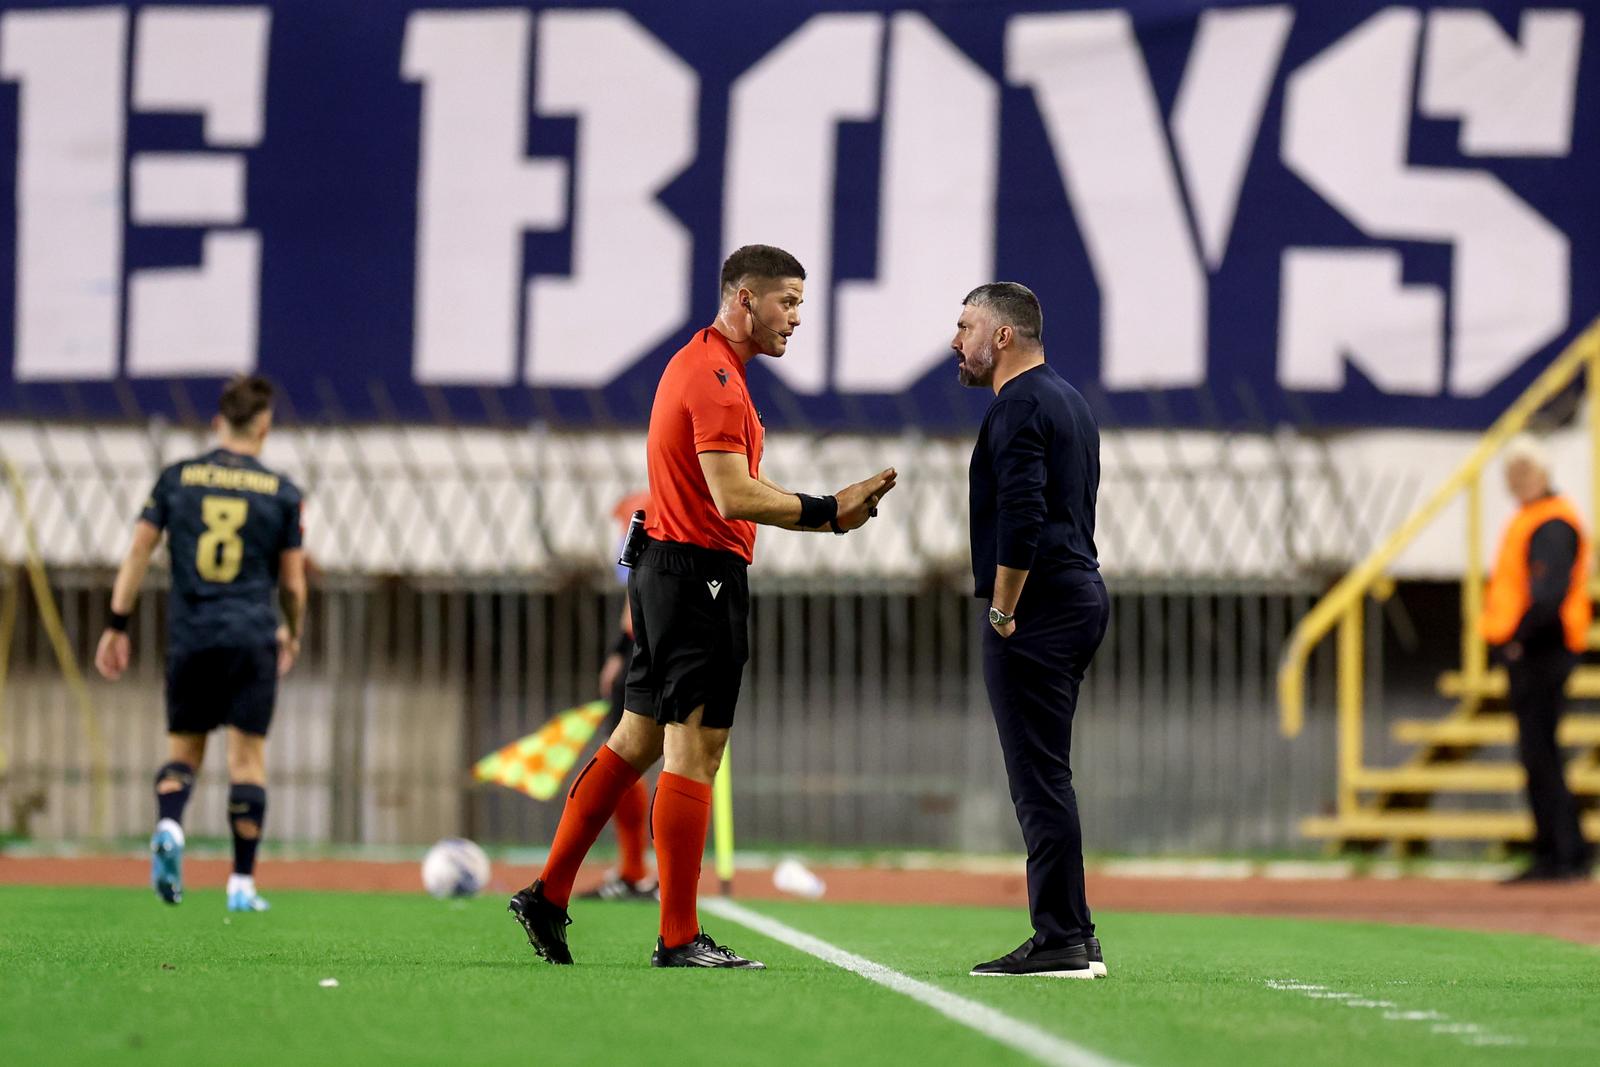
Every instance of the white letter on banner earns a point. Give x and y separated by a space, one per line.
936 227
1342 304
1346 131
477 192
72 66
1512 100
199 320
1094 94
1217 115
782 152
636 132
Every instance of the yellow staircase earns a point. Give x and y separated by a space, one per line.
1374 805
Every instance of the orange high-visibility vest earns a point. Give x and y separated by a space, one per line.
1508 597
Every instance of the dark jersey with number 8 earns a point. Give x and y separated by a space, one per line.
228 521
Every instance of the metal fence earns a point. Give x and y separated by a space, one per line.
462 594
864 720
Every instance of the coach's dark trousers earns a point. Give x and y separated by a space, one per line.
1033 678
1538 683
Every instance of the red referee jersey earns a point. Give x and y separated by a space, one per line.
702 405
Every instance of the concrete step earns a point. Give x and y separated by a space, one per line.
1433 826
1583 685
1492 728
1467 778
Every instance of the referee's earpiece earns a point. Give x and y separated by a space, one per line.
757 318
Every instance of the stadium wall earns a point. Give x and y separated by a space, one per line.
463 594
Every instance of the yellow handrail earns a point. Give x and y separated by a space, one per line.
1351 590
50 619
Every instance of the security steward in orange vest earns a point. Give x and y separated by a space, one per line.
1536 615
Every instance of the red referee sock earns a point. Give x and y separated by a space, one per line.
629 821
593 798
678 819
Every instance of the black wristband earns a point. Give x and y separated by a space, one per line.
118 622
623 646
818 511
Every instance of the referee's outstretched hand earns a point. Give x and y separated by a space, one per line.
857 502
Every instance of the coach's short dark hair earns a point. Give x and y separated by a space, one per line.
1014 305
243 399
759 262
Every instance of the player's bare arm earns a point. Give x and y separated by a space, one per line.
292 602
739 496
112 656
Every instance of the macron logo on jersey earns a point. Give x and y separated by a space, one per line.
722 377
715 587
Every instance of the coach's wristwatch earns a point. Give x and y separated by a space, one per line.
998 618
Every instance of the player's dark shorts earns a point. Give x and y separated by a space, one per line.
212 687
691 633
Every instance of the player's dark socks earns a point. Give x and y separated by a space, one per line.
247 811
170 801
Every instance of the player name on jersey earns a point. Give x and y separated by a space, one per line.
211 476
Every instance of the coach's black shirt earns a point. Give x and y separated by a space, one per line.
228 521
1034 476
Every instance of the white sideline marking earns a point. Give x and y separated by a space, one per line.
1471 1033
1024 1037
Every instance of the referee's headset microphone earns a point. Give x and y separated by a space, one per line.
757 319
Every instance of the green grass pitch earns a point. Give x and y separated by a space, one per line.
108 976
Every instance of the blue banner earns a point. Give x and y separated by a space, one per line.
1235 215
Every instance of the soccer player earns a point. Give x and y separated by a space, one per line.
631 880
690 605
233 530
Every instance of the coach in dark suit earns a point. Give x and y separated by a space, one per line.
1035 472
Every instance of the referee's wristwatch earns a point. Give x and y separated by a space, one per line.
998 618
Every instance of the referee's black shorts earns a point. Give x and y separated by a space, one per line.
691 633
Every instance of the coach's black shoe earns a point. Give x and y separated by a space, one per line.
1027 961
616 887
1097 960
701 952
543 922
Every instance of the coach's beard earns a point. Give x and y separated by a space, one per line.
978 368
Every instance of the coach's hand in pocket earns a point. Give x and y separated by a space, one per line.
857 502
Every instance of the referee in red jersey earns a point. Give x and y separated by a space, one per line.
691 606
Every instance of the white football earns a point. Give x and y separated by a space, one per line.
455 867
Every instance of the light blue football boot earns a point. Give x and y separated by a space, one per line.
166 861
242 895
